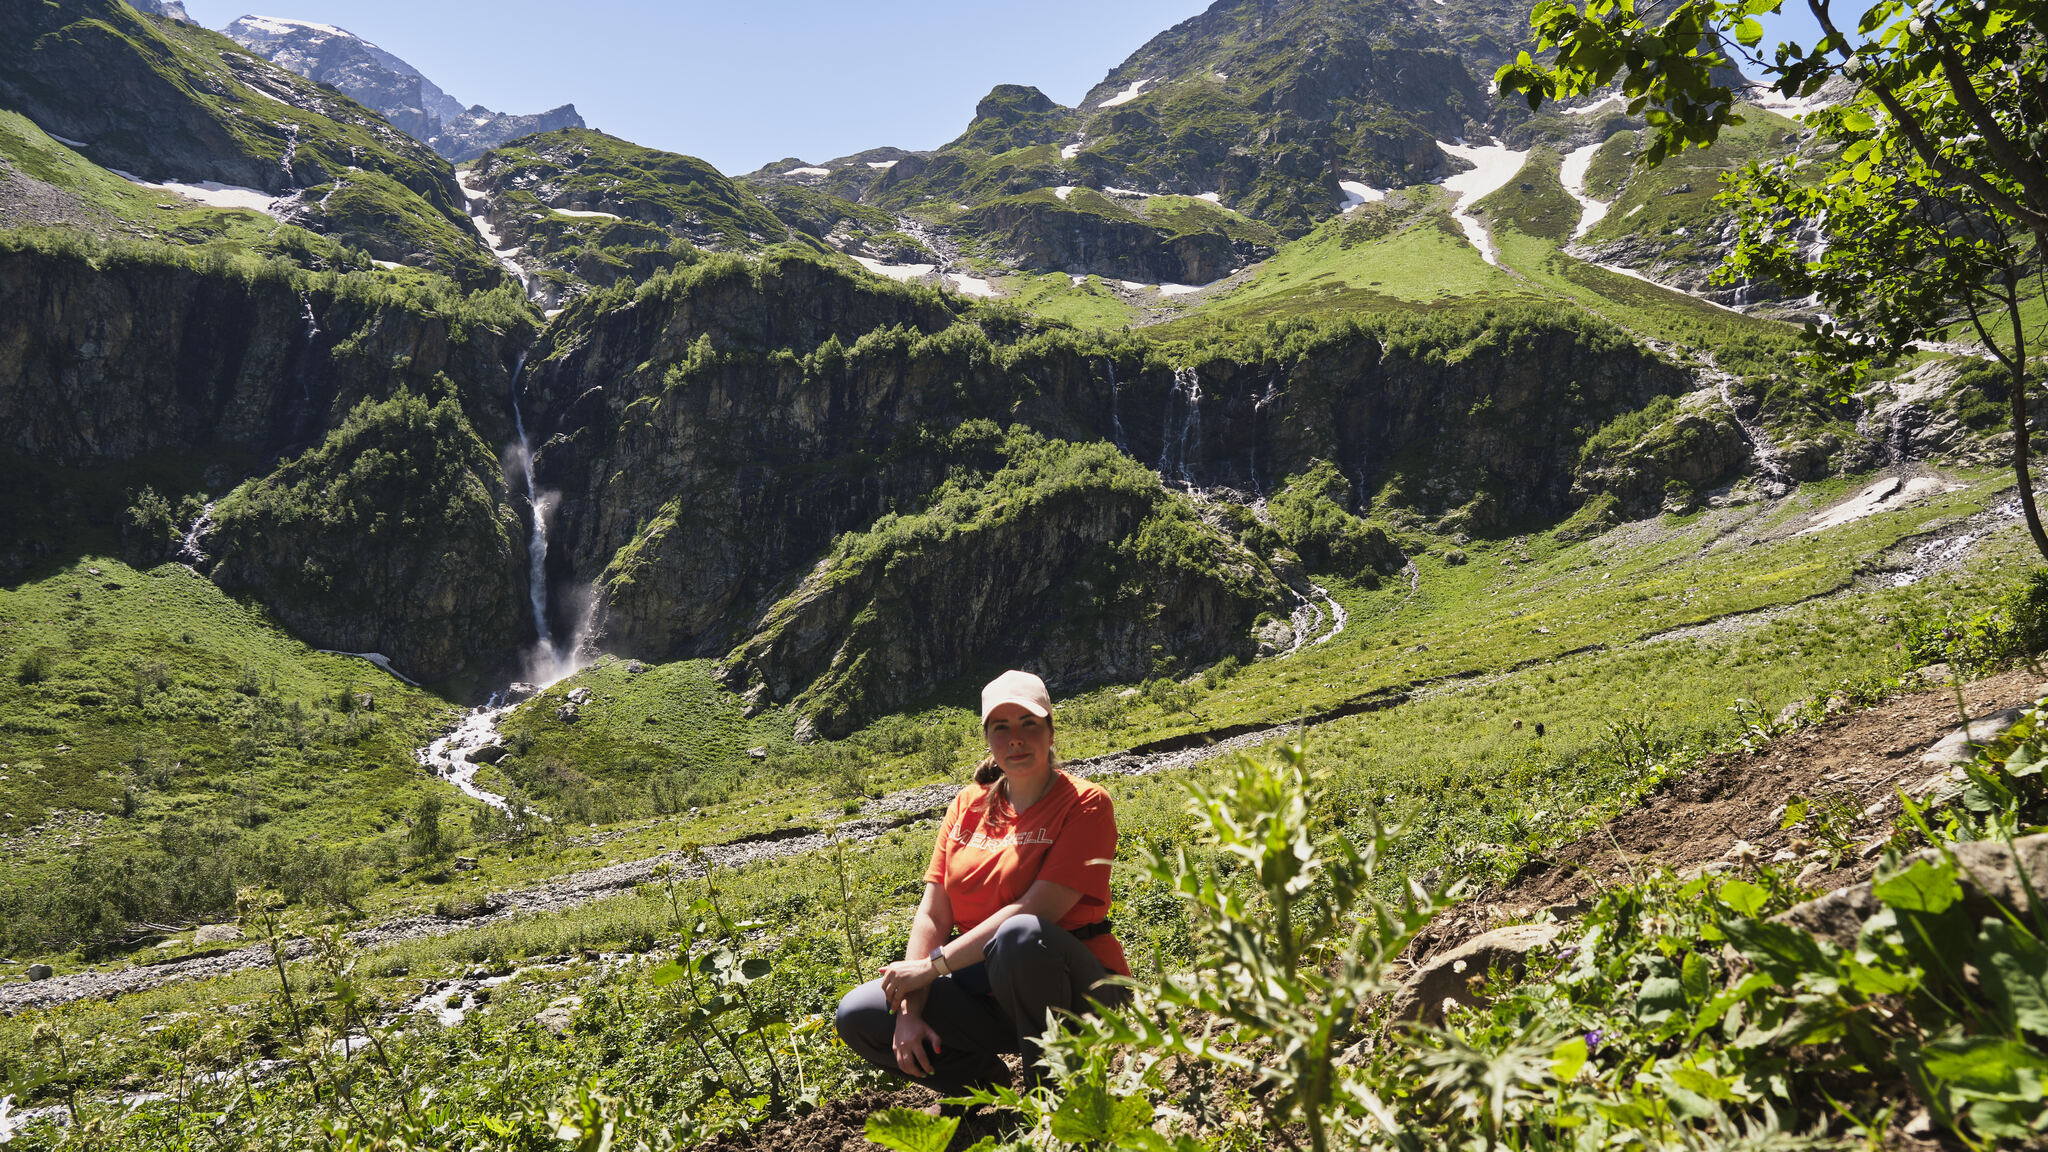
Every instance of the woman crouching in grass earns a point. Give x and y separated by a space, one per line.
1012 921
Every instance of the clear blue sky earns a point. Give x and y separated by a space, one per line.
741 84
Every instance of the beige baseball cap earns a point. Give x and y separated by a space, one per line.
1014 687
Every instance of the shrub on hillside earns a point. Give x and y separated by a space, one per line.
2014 627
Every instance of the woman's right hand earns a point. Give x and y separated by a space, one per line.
912 1034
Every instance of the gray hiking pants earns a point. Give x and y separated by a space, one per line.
981 1012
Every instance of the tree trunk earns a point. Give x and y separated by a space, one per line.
2022 470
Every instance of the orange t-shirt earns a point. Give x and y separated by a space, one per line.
988 853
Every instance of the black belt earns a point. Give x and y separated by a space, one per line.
1091 931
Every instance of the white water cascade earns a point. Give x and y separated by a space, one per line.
1186 404
549 661
454 756
192 549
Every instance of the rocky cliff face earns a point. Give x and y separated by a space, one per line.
395 535
381 81
717 436
476 129
222 373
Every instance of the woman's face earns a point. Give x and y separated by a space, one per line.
1020 742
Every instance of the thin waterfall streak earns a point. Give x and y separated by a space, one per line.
1116 420
537 536
1186 402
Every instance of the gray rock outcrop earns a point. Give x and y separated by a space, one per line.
1995 876
1454 975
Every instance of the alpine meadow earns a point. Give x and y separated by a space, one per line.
1525 507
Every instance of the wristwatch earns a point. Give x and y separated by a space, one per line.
938 960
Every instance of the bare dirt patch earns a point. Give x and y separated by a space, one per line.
1857 760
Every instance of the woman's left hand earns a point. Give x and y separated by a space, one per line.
904 977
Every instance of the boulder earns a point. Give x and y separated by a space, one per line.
217 934
1450 976
579 696
489 754
1945 759
557 1016
567 713
40 972
1995 876
1274 637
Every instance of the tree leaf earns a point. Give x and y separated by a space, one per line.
1659 998
1703 1082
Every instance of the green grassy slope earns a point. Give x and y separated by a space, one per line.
145 715
173 101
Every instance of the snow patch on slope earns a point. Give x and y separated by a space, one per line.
1357 192
1128 94
211 193
1883 496
897 271
808 171
1494 166
281 26
1572 174
1596 106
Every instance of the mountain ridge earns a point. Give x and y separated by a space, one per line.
380 80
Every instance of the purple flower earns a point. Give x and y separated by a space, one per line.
1593 1041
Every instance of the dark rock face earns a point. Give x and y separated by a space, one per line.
108 364
377 79
1046 580
394 535
712 439
1049 234
1697 447
100 367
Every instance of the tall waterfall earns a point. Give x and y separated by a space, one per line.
537 536
550 660
1177 442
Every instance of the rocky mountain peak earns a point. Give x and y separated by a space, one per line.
379 80
1009 102
168 9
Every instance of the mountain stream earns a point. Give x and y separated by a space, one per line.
458 753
